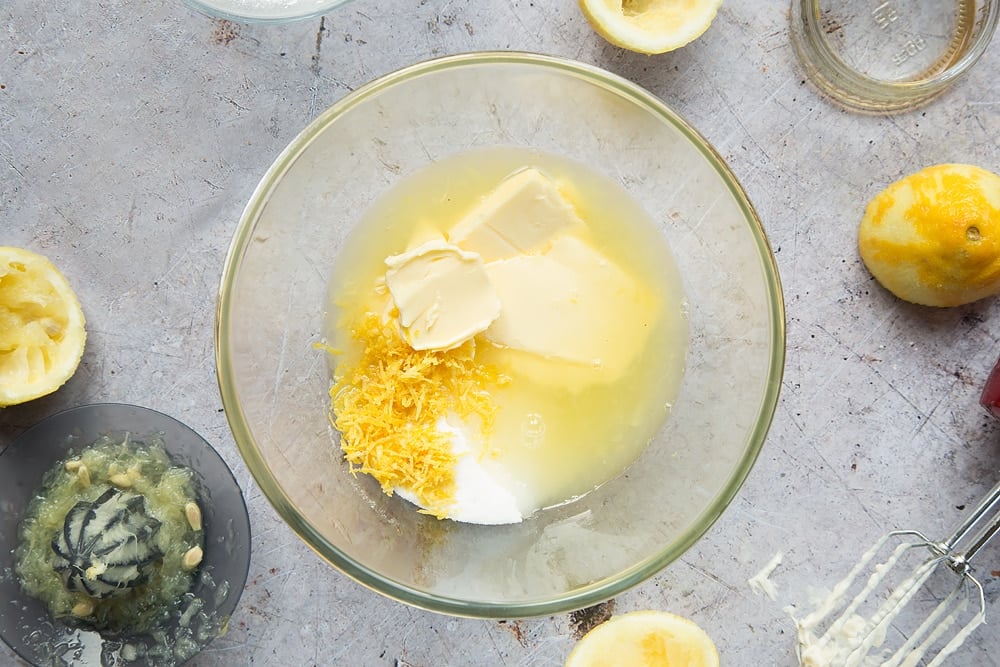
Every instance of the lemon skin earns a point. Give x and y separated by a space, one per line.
933 237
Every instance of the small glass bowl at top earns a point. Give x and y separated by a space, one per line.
264 11
26 625
885 56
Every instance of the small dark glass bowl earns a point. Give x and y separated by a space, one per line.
25 624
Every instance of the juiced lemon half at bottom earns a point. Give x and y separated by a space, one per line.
645 639
650 26
42 333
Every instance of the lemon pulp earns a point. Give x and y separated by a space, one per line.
166 488
645 639
650 26
42 334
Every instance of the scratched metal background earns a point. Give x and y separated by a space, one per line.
132 132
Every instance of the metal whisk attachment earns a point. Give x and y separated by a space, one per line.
850 629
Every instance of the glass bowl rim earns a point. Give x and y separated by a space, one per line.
584 596
216 13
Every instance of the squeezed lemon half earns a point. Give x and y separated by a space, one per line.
42 332
650 26
933 237
645 639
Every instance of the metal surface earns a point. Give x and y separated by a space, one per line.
132 134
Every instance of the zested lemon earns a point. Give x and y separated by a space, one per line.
42 333
650 26
933 237
645 639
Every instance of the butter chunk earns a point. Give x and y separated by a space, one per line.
520 216
443 295
572 304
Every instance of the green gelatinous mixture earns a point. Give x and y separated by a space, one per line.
136 468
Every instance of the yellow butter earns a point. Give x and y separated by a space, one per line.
442 293
572 304
520 216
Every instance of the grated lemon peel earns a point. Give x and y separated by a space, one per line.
387 406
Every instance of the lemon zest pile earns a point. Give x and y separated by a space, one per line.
387 406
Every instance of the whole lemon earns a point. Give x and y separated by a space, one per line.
933 237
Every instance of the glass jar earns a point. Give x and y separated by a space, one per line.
889 55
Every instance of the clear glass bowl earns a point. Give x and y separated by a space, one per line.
25 624
889 56
265 11
275 383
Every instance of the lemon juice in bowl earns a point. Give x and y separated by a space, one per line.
573 376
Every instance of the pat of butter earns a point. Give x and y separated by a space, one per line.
573 304
520 216
443 295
